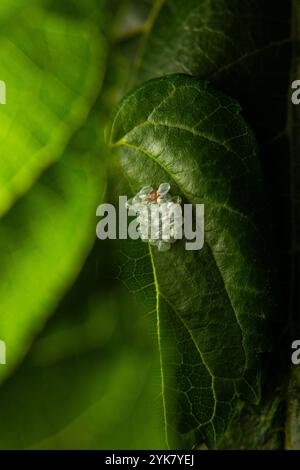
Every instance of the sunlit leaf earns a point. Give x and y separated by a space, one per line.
212 304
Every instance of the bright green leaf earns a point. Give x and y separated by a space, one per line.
44 240
53 68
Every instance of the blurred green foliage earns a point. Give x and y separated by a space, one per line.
81 368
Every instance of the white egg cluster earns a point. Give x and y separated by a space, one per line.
159 216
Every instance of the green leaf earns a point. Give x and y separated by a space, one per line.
130 19
292 431
262 427
292 427
53 68
236 45
44 240
90 375
211 305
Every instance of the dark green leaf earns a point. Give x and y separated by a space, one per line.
211 305
236 45
292 431
53 69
